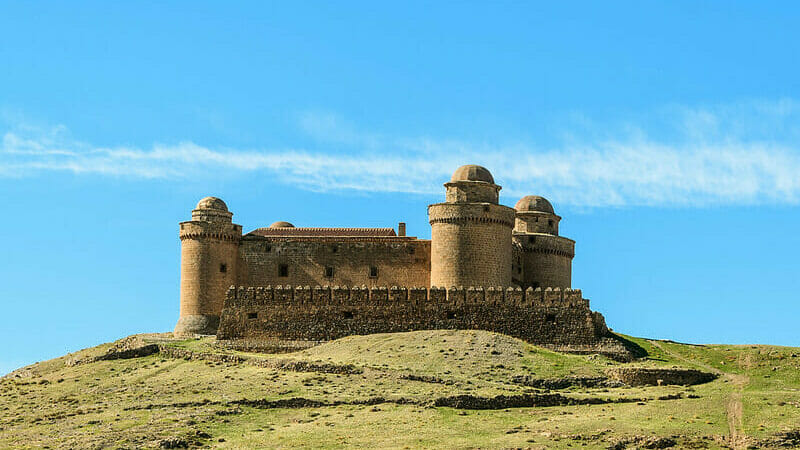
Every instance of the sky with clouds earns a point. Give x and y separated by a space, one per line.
666 135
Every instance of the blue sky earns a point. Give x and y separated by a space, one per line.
665 133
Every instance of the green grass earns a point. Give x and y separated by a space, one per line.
140 402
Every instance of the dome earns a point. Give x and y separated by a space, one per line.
534 203
281 224
471 172
212 203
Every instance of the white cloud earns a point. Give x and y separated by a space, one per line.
741 154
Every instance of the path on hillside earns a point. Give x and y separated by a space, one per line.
737 438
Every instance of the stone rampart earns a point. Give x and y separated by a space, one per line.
550 317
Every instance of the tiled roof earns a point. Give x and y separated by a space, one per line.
325 232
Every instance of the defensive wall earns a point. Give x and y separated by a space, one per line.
475 241
555 318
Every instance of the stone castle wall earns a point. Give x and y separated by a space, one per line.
396 261
554 318
471 244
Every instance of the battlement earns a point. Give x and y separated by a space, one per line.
363 296
559 318
312 283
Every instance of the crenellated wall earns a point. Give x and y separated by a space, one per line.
550 317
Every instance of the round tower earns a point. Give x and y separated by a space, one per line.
209 255
470 232
545 258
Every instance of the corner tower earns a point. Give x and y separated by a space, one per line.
470 232
545 257
209 255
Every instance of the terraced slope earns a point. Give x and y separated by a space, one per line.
419 389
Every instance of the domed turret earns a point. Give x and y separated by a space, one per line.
536 215
545 258
471 232
212 209
281 224
209 255
471 184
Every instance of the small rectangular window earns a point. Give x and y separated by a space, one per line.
223 268
252 315
334 248
329 272
283 270
373 272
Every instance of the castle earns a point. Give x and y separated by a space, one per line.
486 266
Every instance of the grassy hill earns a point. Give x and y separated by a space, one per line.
418 389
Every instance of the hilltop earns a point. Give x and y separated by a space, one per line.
415 389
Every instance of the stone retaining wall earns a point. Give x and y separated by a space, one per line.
643 376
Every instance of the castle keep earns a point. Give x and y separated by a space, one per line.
486 266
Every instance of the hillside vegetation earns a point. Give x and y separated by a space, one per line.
418 389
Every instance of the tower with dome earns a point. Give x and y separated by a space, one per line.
481 254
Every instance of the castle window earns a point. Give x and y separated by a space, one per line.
252 315
485 209
283 270
550 318
373 272
267 248
347 314
223 268
550 223
329 272
334 248
451 315
532 239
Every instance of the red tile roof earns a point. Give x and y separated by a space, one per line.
325 232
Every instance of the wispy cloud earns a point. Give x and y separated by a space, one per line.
732 154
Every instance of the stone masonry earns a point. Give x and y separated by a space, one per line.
519 267
555 318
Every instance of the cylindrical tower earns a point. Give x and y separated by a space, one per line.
545 257
209 255
471 232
